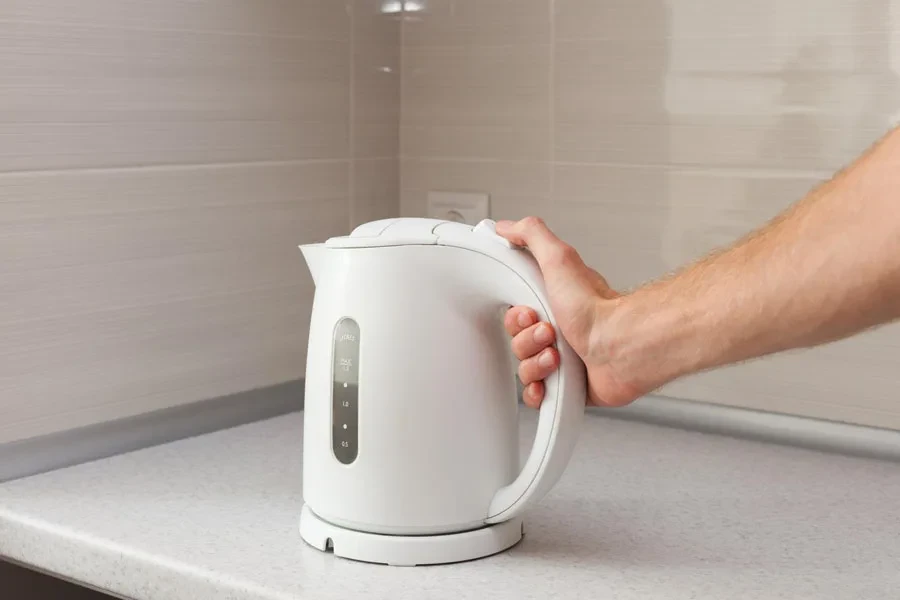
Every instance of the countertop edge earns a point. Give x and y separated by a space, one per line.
104 566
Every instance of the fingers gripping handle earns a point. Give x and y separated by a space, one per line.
520 282
560 415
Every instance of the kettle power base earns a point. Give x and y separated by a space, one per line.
408 550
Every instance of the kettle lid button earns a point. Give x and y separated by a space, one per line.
488 227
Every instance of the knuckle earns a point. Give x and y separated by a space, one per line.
569 252
564 254
557 254
532 222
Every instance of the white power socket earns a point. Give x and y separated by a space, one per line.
463 207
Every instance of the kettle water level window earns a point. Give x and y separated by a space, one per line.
345 391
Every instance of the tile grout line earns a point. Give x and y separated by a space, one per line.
681 168
189 31
163 166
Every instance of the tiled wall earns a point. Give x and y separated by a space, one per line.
647 132
160 161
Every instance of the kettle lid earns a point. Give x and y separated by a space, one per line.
402 231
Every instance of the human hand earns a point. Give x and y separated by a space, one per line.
582 302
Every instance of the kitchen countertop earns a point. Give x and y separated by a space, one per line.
642 512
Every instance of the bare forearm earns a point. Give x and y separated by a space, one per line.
827 268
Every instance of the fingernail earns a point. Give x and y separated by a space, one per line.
546 359
524 319
542 334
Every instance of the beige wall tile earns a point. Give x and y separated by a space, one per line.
81 194
712 89
68 372
376 23
652 187
102 217
155 184
376 192
529 142
412 202
482 22
376 65
476 102
601 81
81 288
511 178
507 183
189 97
53 146
646 20
501 67
514 207
376 87
477 86
376 140
105 238
316 19
791 142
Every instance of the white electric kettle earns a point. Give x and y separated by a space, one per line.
410 434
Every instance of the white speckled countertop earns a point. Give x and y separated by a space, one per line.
642 512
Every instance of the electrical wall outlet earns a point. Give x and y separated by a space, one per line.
463 207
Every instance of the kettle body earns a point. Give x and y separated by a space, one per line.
410 409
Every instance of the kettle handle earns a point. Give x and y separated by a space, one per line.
563 407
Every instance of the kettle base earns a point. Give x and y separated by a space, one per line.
409 550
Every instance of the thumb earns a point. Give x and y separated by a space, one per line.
533 233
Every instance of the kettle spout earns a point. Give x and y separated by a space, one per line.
314 254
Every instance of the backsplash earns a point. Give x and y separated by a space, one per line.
160 162
647 133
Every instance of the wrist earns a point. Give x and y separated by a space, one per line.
651 338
